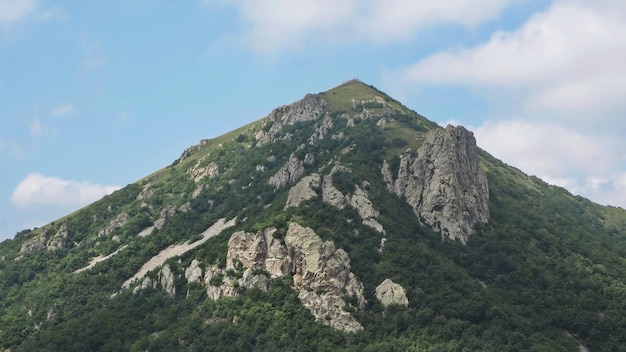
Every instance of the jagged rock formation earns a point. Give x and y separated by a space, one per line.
307 109
303 190
290 172
189 151
193 273
444 182
359 200
322 130
146 192
198 172
321 273
166 279
116 223
166 214
388 292
44 241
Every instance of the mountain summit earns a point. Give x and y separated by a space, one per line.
343 221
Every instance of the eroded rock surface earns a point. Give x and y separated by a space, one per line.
198 172
290 171
304 190
166 279
388 292
444 182
321 273
307 109
116 223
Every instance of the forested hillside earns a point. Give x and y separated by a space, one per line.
280 235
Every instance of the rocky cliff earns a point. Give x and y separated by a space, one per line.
307 109
321 273
444 182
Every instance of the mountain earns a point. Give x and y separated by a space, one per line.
343 221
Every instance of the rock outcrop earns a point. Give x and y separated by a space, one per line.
444 182
116 223
321 273
358 200
388 292
322 129
45 241
57 241
166 279
290 172
166 214
193 273
189 151
307 109
198 172
304 190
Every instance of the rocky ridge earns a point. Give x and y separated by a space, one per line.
308 109
443 182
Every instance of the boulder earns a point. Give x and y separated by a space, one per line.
388 292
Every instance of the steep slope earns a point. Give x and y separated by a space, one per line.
341 221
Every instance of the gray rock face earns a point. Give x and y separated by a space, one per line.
322 130
193 273
34 244
290 172
389 292
307 109
321 273
145 284
198 173
166 214
444 183
166 279
45 241
58 240
359 200
146 192
189 151
303 190
116 223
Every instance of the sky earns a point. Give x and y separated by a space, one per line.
96 94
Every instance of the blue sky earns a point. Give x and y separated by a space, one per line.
96 94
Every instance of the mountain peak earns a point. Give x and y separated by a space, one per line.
344 210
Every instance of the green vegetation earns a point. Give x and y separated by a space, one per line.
546 273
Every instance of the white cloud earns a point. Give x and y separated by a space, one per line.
560 155
567 60
563 72
39 129
40 190
275 25
15 11
62 109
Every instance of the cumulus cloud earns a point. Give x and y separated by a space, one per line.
276 25
567 60
562 73
40 190
62 109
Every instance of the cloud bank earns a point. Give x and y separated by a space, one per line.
37 190
274 26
